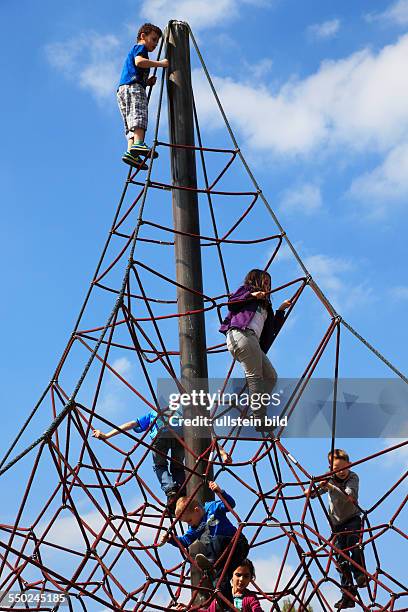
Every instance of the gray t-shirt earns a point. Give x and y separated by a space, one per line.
341 508
258 321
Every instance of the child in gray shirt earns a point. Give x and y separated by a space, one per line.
345 519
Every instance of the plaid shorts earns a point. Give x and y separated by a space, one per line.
132 101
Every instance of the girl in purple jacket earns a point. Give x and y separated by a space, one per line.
251 326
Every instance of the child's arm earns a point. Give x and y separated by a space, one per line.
225 457
255 605
97 433
349 493
321 487
352 488
286 304
217 489
143 62
237 300
185 540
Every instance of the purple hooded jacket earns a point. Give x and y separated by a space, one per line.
241 314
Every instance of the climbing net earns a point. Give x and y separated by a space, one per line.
86 517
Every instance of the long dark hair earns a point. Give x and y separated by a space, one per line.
259 280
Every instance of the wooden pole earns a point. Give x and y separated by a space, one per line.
192 339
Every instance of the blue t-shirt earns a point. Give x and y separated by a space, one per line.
213 523
160 424
238 601
132 73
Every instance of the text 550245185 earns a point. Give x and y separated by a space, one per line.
23 599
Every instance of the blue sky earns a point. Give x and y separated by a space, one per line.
316 94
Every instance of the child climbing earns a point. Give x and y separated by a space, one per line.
131 93
345 520
168 469
208 540
251 326
242 598
168 452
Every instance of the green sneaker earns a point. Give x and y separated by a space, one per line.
135 161
142 149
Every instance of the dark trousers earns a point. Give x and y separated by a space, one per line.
347 537
172 476
213 551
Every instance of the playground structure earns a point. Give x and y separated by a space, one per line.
88 520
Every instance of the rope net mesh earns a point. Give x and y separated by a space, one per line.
86 517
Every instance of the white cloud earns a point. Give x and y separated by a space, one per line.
358 101
397 13
397 457
92 60
305 199
122 366
324 30
386 184
66 532
399 293
256 71
114 397
260 69
332 275
327 271
200 14
110 404
267 569
285 253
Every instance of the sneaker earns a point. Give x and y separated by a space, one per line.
203 563
262 427
344 603
361 581
134 161
171 499
142 149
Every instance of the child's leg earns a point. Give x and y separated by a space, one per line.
344 569
123 103
197 576
137 122
353 538
160 464
133 107
218 551
269 374
244 347
346 578
138 136
176 463
132 119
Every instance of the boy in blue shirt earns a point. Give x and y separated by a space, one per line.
208 537
131 93
171 477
